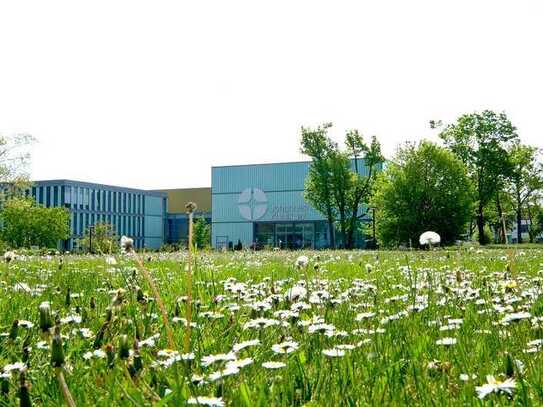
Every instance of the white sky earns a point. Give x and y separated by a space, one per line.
152 94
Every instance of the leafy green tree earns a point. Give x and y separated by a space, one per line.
425 187
526 179
362 183
14 160
25 224
104 239
202 233
481 140
535 216
337 184
318 189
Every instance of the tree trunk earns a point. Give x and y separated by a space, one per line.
349 244
350 238
530 229
481 224
519 220
519 226
343 227
500 217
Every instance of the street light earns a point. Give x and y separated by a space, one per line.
91 231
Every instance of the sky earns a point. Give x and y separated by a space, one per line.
152 94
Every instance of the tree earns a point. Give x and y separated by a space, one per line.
202 233
535 217
526 179
499 216
338 184
362 183
26 224
103 239
481 141
14 160
425 187
318 189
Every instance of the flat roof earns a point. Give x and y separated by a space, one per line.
97 186
255 164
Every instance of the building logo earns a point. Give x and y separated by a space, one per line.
252 203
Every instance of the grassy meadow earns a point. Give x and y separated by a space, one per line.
330 328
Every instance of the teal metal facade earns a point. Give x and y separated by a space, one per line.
264 205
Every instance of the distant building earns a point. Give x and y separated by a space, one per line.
133 212
512 235
176 225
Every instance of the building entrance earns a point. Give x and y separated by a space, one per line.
290 235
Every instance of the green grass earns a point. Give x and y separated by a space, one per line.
390 358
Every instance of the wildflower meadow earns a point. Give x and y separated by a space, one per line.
462 326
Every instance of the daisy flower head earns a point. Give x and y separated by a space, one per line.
273 365
446 341
493 385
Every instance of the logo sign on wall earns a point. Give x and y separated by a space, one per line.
252 203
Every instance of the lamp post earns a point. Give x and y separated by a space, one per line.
91 231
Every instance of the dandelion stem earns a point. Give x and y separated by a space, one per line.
64 388
189 290
159 301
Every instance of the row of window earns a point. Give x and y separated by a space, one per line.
84 198
129 225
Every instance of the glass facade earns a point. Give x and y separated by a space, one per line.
292 235
177 227
89 204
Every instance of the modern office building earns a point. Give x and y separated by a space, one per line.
176 226
264 205
260 205
136 213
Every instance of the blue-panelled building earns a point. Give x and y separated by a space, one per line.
136 213
263 205
255 205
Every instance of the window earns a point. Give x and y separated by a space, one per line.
55 196
321 235
80 197
264 233
68 197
